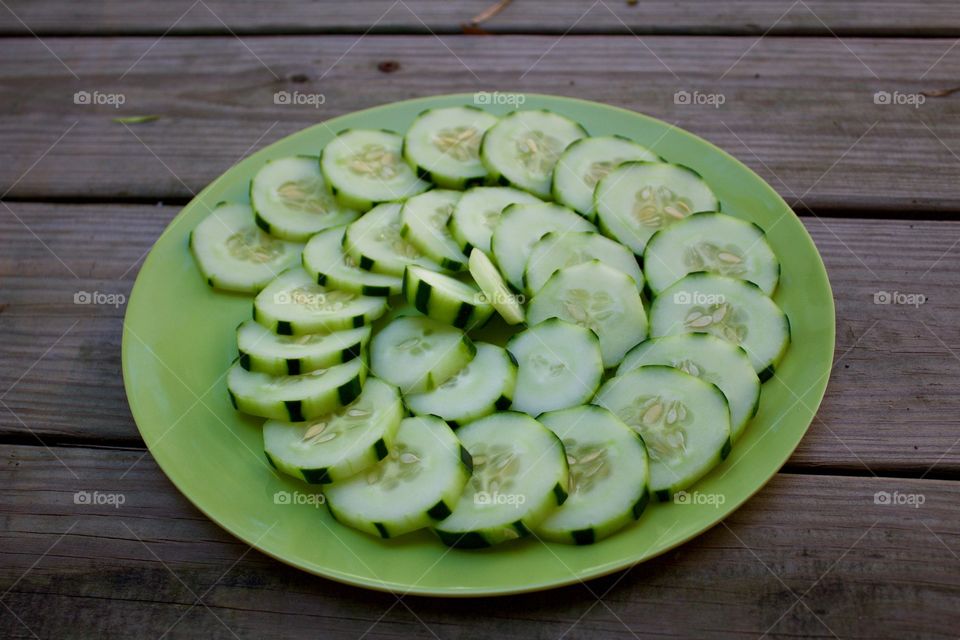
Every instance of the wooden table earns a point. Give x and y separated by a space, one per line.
874 179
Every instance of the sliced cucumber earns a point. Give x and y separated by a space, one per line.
684 422
478 211
558 250
364 167
735 310
375 244
340 444
418 483
478 389
296 398
295 304
712 242
711 359
264 351
639 198
519 228
519 476
597 297
559 365
586 162
444 299
495 290
609 476
328 265
424 223
522 149
418 354
291 200
234 254
443 145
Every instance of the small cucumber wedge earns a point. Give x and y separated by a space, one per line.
519 476
558 250
609 476
416 484
735 310
477 390
295 304
684 421
495 290
522 149
264 351
418 354
325 262
234 254
364 167
558 366
443 145
375 244
445 299
296 398
478 211
291 200
340 444
424 220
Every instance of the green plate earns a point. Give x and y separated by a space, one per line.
178 342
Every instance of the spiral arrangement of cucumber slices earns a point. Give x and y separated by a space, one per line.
376 265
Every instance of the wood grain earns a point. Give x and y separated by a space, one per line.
852 17
864 570
800 111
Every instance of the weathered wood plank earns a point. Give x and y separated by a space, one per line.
864 570
891 404
800 111
851 17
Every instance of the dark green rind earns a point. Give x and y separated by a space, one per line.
382 530
316 476
439 511
640 505
470 540
294 410
380 449
350 391
583 536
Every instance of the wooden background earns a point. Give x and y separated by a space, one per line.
83 197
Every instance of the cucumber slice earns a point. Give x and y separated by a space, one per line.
364 167
424 223
291 200
597 297
478 211
325 262
375 244
684 422
638 198
586 162
296 398
519 228
444 299
340 444
558 250
519 476
495 290
480 388
264 351
558 366
735 310
522 149
609 476
443 145
708 358
712 242
418 354
418 483
295 304
234 254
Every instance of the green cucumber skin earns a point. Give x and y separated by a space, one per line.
467 317
293 410
295 366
